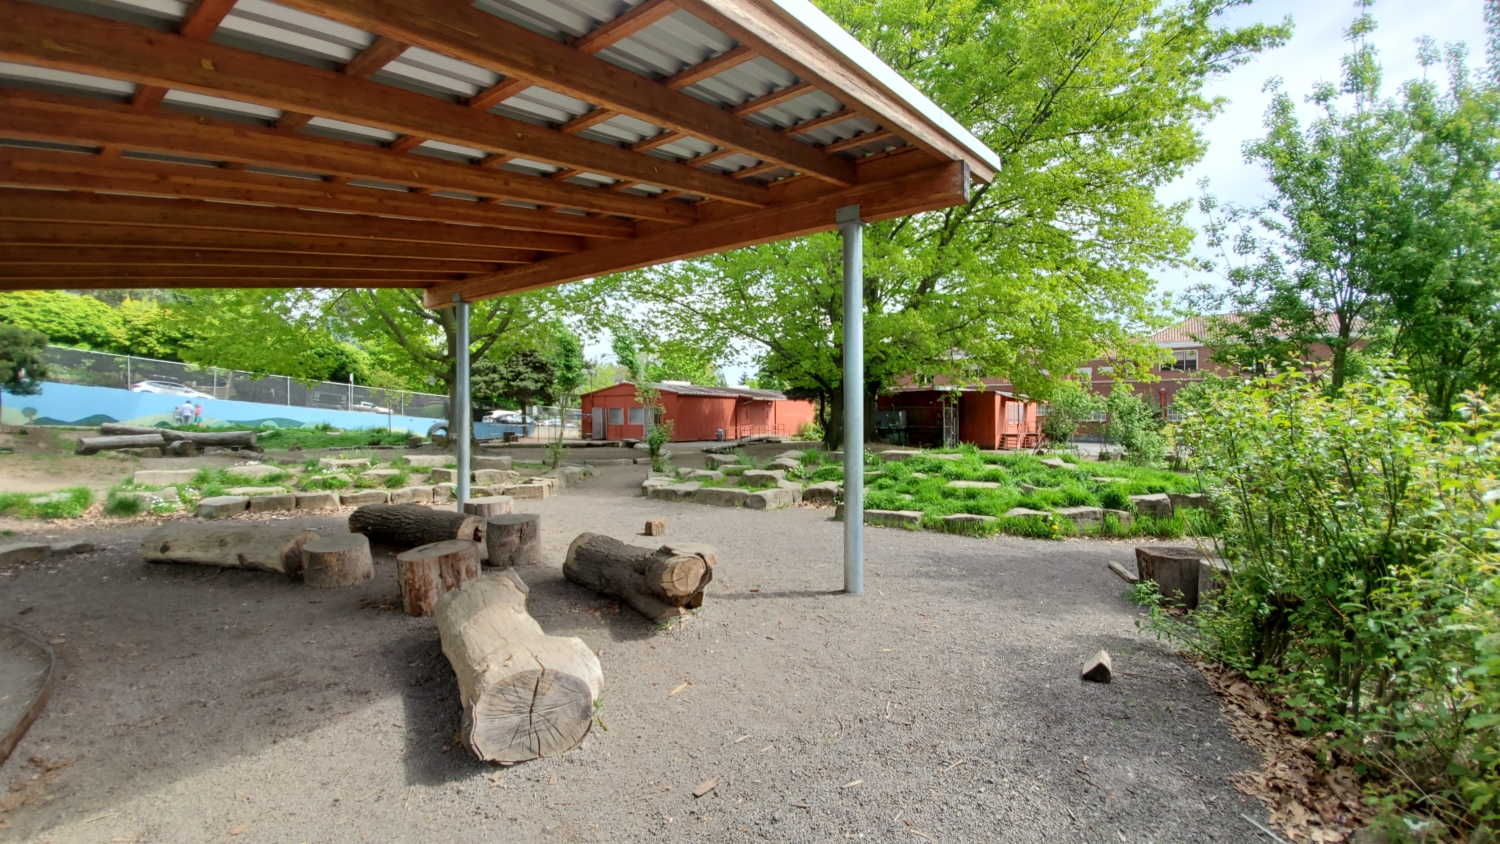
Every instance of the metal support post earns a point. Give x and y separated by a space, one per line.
459 425
852 229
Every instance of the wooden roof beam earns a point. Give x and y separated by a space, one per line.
158 256
478 37
200 21
363 66
335 281
624 26
37 116
86 44
775 98
711 67
149 272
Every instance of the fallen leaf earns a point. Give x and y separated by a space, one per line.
679 688
705 787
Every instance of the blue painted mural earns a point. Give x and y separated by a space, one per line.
73 404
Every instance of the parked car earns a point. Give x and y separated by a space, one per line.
168 388
503 417
369 407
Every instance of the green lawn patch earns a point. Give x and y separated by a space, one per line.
69 503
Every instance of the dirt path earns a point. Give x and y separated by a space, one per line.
198 705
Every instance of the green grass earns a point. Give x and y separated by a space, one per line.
18 504
318 437
321 482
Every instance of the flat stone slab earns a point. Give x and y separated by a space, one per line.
343 463
362 497
1122 516
894 518
316 501
253 491
221 506
706 475
503 462
433 461
1157 505
1027 489
527 491
793 454
721 496
379 476
734 469
784 463
675 492
441 475
494 476
774 498
1188 500
714 461
411 495
23 552
823 492
947 456
1057 463
63 549
258 470
1024 512
268 503
1082 516
974 484
898 455
763 476
163 477
968 519
653 482
618 461
794 488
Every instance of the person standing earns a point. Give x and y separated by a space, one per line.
198 414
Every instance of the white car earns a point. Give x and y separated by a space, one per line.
369 407
504 417
168 388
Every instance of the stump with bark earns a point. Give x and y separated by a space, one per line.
514 539
411 525
524 694
221 438
425 573
341 560
94 445
1174 570
490 505
660 584
231 545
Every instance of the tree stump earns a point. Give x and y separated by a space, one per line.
230 545
1173 569
425 573
514 539
660 584
94 445
656 527
411 525
342 560
491 505
524 694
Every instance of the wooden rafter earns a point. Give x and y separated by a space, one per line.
200 21
368 63
711 67
624 26
48 117
775 98
860 140
472 35
86 44
830 119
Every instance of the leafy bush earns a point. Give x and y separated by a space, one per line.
1134 427
1070 405
810 431
1365 548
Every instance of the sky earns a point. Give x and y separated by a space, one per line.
1311 56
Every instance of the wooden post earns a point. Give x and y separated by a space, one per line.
492 505
341 560
514 539
425 573
656 527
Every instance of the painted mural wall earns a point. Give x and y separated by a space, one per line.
73 404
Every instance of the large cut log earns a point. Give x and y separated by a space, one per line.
660 584
201 438
425 573
267 547
94 445
524 694
513 539
339 560
411 525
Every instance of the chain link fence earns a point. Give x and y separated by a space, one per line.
148 375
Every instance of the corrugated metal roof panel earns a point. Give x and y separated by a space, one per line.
348 131
220 107
63 82
428 70
276 30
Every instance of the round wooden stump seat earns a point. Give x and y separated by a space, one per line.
341 560
514 539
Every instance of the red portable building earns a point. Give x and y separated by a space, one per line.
983 416
697 413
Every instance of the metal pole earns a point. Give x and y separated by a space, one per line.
459 425
852 229
288 391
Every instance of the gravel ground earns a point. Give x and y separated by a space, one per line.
943 705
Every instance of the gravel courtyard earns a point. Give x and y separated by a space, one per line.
943 705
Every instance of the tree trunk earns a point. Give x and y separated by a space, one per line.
244 546
223 438
94 445
660 584
411 525
342 560
524 694
427 572
514 539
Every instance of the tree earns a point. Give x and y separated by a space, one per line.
65 318
626 346
567 378
525 377
1071 405
1091 105
22 369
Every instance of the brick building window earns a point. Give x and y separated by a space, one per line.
1183 360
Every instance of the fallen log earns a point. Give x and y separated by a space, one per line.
200 438
94 445
659 584
524 694
411 525
425 573
341 560
229 545
513 539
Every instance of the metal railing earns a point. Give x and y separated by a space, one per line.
129 372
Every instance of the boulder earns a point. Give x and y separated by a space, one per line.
714 461
651 483
411 495
1082 516
721 496
786 464
1189 500
706 475
254 470
494 476
1023 512
1058 463
794 488
221 506
253 491
429 461
163 477
442 492
77 546
23 552
379 476
968 519
1097 668
823 492
316 500
532 491
268 503
503 463
894 518
756 477
774 498
359 498
1122 516
675 492
443 475
1157 505
974 484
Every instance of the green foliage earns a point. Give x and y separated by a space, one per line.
18 504
1070 405
524 376
123 506
67 319
1364 543
810 431
1134 427
22 369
